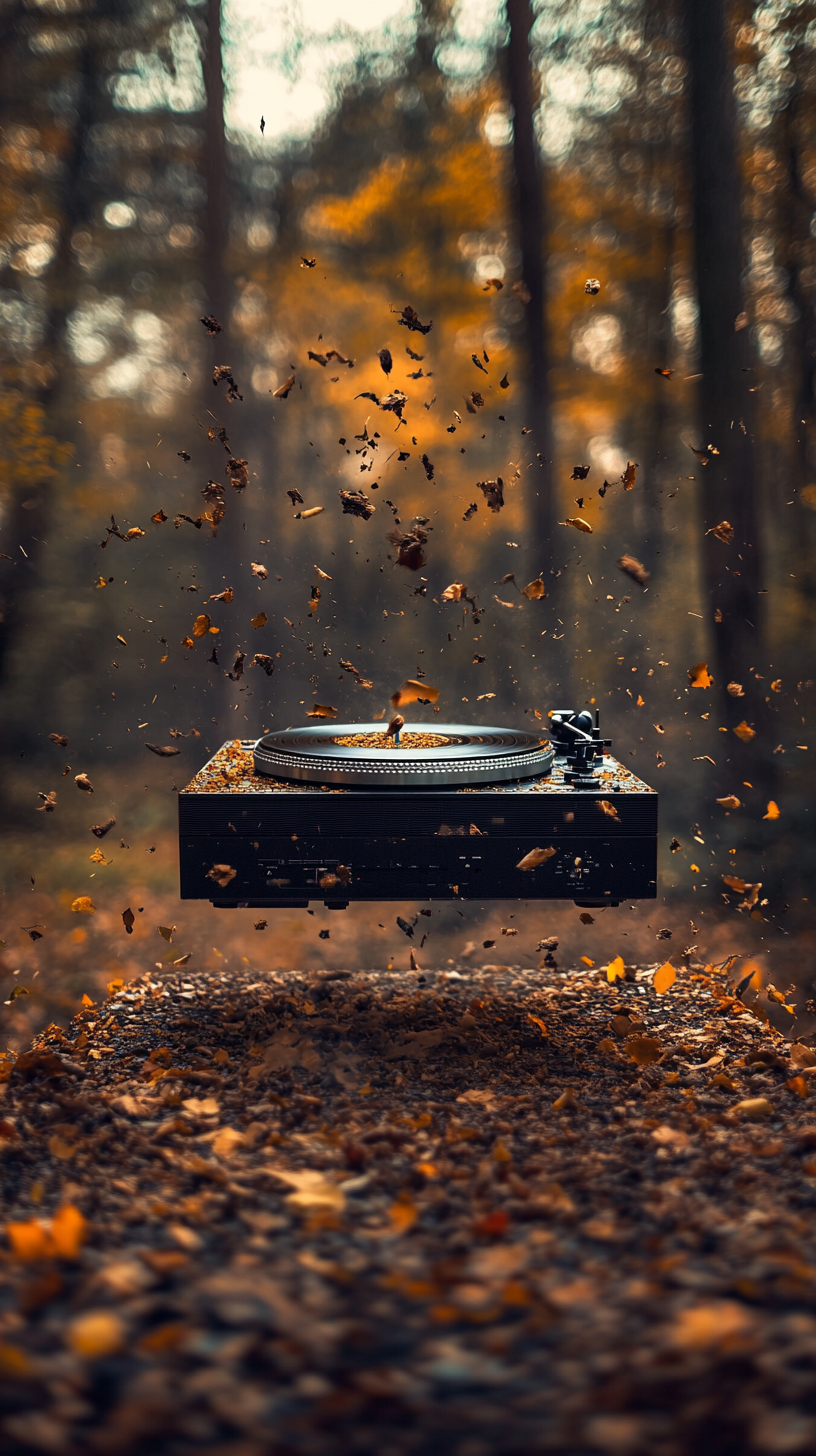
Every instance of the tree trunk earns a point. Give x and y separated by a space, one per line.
216 223
27 524
529 211
728 480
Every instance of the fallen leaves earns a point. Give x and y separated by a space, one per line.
615 970
754 1109
643 1050
313 1191
96 1334
60 1237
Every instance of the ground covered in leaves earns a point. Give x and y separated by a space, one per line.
471 1212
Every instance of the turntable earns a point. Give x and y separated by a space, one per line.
344 813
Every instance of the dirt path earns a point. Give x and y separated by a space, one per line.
372 1213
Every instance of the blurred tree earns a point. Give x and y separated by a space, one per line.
732 571
531 231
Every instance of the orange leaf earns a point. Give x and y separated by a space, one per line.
536 1020
664 978
201 625
68 1231
745 732
29 1240
412 691
774 811
615 969
799 1085
83 905
699 676
403 1215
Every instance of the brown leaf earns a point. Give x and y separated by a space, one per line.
59 740
410 320
724 532
49 803
629 475
534 590
282 392
259 620
222 874
262 659
535 857
258 570
730 802
321 710
128 920
633 568
745 732
238 472
163 751
158 518
608 808
83 905
736 690
578 522
83 782
355 503
493 492
211 324
201 625
592 286
643 1049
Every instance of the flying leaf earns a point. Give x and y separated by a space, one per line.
83 905
664 978
100 830
592 286
578 522
321 710
730 802
535 857
534 590
536 1020
282 392
615 969
736 690
699 676
259 620
258 570
745 732
59 740
201 625
313 1191
412 691
774 811
163 751
128 920
633 568
222 874
608 808
166 932
629 475
724 531
83 782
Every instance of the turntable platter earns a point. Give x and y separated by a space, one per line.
444 756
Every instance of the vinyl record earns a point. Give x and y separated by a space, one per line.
434 755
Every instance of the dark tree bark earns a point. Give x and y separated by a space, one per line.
729 488
529 209
216 222
27 525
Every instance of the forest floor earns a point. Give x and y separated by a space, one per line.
471 1212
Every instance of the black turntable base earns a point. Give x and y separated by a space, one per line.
342 813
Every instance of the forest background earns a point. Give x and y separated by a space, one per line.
478 164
